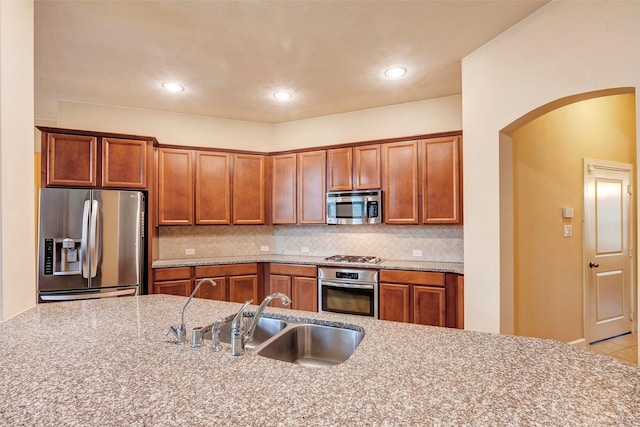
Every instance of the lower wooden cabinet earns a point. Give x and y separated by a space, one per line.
299 282
421 297
234 282
172 281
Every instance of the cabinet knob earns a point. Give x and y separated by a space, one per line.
593 265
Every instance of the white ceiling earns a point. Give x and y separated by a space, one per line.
232 55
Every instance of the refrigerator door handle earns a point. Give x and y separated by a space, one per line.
93 241
85 235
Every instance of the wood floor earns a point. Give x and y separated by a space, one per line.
624 348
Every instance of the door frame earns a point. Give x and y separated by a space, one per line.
613 166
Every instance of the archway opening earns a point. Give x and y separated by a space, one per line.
541 172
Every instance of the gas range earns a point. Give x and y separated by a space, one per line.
354 259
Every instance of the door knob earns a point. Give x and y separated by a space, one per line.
592 265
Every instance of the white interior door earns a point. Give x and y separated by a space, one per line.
608 263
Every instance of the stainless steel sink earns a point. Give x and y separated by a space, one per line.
266 328
312 345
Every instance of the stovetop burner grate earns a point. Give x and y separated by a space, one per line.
354 259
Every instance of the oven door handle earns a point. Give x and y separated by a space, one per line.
347 285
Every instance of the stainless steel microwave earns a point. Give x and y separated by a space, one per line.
354 207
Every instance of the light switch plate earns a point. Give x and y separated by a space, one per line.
567 230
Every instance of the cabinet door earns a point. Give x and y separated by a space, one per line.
284 189
429 306
243 288
71 160
248 189
394 302
213 188
367 167
282 284
175 287
400 183
312 187
207 291
124 163
339 165
305 294
440 181
175 187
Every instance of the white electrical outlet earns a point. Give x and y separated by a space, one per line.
304 249
189 251
264 248
417 252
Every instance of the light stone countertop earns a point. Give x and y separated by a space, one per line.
445 267
107 363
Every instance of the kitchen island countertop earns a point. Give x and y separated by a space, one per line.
107 362
436 266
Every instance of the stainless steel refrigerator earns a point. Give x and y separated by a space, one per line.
90 244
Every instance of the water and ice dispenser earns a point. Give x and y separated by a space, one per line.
62 256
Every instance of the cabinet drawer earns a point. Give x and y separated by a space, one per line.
412 277
226 270
172 273
294 270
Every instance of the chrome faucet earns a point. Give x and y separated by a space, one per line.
180 331
238 334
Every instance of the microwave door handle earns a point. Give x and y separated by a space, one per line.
85 234
346 285
94 244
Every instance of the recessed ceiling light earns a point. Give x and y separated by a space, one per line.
282 96
395 72
172 87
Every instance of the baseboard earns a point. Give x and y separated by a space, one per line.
578 343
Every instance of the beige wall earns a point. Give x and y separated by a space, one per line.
422 117
548 174
168 128
413 118
565 48
17 238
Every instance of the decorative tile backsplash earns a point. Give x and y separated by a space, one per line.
437 243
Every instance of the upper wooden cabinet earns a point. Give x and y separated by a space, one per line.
400 185
422 181
202 194
440 179
70 160
312 166
213 187
175 187
354 168
84 160
284 189
340 169
249 188
124 163
366 167
298 188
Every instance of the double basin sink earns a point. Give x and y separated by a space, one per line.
299 342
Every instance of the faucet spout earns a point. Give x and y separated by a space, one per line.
238 333
282 297
180 331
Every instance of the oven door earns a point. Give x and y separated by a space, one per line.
348 298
